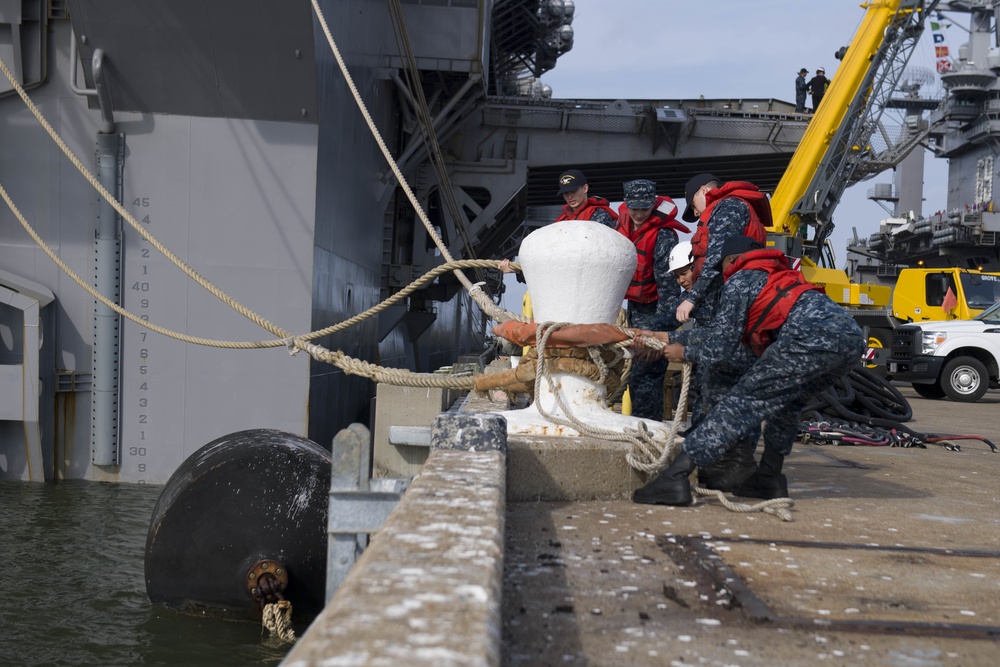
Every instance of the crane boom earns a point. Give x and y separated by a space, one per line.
838 134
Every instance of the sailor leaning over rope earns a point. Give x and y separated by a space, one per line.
803 341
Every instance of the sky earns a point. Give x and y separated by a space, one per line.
669 49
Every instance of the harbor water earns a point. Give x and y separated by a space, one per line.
74 590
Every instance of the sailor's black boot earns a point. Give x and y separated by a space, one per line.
768 482
732 468
670 487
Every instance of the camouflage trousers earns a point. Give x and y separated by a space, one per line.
712 387
774 390
645 383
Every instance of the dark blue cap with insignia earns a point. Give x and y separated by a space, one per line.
640 193
571 180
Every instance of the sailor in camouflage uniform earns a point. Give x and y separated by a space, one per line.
714 383
723 211
649 221
803 341
711 384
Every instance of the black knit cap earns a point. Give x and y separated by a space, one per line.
737 245
690 189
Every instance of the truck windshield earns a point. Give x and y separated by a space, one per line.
991 314
981 291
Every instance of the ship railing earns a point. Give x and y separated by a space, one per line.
623 116
964 108
720 105
982 129
988 238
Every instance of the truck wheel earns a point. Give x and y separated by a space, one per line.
965 379
933 391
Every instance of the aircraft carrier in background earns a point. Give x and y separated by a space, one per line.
227 128
962 127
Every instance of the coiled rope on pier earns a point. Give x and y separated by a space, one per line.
863 397
865 409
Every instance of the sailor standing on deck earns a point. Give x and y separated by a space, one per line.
801 88
803 342
817 87
649 221
723 211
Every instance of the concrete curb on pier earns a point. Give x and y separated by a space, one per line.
428 589
563 469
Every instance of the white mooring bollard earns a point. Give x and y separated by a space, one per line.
576 272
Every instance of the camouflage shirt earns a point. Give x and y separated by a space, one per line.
603 217
667 288
814 323
701 314
729 218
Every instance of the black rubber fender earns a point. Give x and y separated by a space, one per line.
245 497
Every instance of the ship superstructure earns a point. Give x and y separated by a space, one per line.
962 128
228 131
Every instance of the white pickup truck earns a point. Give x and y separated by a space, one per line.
959 359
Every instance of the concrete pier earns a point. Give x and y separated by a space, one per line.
893 558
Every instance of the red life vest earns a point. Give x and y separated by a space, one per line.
586 211
760 217
642 289
771 307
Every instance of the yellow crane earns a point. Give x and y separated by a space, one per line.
837 139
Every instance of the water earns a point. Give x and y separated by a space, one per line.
73 592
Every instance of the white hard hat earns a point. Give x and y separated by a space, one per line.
680 256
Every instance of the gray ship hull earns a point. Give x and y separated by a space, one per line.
285 216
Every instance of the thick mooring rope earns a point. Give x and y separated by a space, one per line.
286 338
647 454
277 620
778 507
